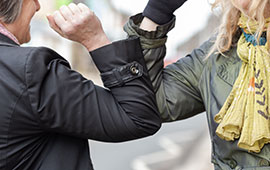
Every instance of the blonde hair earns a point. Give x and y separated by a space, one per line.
228 29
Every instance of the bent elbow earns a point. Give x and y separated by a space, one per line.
155 127
149 127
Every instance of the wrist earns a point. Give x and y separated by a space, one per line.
148 25
96 42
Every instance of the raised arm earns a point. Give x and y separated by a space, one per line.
176 86
67 103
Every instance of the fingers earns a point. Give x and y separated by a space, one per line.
74 8
78 23
59 19
73 11
83 7
85 11
70 16
52 23
50 19
66 13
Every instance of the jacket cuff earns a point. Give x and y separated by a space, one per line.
149 39
119 62
121 75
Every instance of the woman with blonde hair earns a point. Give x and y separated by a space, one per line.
228 76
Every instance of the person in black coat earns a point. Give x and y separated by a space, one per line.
49 111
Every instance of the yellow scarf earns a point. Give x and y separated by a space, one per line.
245 114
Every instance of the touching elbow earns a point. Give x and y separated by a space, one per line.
155 127
150 127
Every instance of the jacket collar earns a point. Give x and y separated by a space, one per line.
228 67
5 41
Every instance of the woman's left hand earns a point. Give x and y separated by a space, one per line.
78 23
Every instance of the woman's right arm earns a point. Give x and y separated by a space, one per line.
176 86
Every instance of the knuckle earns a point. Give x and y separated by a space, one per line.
79 19
72 6
67 29
76 23
55 13
89 13
62 7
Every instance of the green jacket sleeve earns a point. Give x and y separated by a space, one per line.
177 85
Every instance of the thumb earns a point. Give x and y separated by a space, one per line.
52 24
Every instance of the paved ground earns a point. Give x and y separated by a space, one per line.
182 145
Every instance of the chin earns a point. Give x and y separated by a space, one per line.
28 40
25 40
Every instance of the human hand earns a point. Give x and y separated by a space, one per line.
161 11
78 23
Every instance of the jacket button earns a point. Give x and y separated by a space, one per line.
232 164
134 70
264 162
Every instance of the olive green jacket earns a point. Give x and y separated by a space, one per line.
193 85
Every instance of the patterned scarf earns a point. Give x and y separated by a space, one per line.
245 114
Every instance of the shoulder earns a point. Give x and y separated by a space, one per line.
42 56
204 52
197 59
28 55
40 61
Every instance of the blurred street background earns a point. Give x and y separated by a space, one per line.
182 145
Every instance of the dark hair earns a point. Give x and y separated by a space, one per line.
10 10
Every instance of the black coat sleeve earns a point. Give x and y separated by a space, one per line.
65 102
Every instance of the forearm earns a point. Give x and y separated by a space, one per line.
152 42
129 110
65 102
154 51
125 74
176 86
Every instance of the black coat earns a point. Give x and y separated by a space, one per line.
48 111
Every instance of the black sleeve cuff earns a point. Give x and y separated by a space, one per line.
157 13
121 75
119 62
